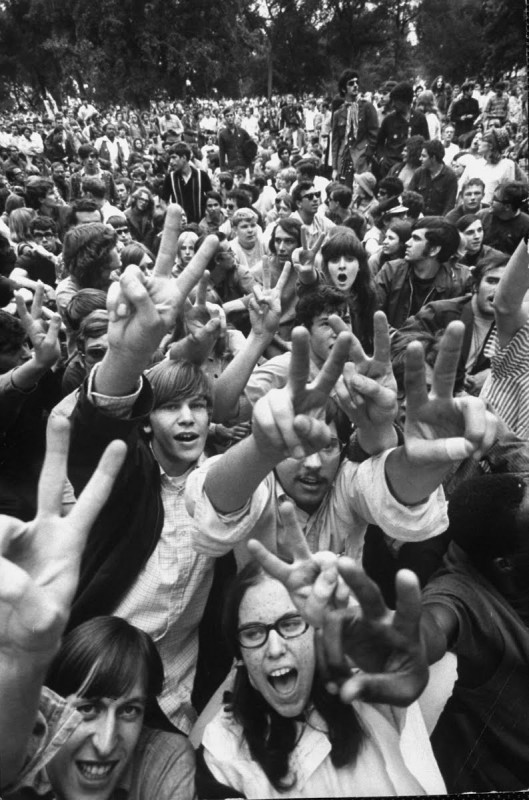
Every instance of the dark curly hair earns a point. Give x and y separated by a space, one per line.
86 253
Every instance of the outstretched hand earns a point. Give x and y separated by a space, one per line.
369 652
367 390
289 421
40 560
44 336
205 324
312 581
439 427
304 257
265 304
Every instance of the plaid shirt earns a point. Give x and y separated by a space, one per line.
169 596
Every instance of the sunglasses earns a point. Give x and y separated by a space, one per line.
310 196
352 82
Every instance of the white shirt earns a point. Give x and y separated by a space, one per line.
359 496
396 758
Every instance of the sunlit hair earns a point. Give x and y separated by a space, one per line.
271 738
134 253
19 220
174 381
106 657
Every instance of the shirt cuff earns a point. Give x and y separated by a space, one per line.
120 407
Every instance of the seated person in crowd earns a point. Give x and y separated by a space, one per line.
425 273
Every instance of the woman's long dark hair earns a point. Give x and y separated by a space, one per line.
271 738
363 303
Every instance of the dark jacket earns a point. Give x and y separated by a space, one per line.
395 287
435 317
232 147
463 114
393 133
129 526
439 193
366 136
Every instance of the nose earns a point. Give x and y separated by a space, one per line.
275 645
105 734
185 415
313 461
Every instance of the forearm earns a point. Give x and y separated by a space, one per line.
233 479
120 372
21 682
231 383
27 375
514 283
412 484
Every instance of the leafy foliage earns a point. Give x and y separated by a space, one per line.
138 50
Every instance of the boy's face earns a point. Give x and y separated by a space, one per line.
179 431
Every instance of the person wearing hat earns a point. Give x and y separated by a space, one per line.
364 192
490 165
354 130
397 127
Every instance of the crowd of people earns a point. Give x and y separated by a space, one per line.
264 392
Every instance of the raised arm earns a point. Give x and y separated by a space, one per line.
265 312
510 310
367 390
39 571
286 422
439 428
43 336
141 310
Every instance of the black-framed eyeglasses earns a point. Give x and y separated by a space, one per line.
43 235
256 634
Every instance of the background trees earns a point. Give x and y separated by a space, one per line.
137 50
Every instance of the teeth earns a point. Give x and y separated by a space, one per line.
95 770
278 672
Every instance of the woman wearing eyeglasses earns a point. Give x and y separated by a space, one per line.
282 734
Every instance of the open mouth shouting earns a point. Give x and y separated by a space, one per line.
283 680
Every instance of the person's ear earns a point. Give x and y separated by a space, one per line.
434 250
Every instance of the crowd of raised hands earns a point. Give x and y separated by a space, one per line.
364 649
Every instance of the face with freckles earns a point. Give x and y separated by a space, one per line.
281 670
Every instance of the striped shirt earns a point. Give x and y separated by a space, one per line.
507 387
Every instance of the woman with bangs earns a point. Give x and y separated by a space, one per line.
280 733
115 742
344 265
